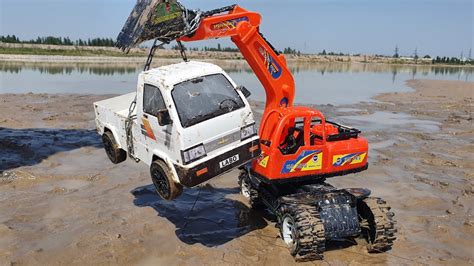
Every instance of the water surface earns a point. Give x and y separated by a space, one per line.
316 83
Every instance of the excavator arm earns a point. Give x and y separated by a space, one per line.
270 67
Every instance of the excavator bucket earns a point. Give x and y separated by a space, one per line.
165 20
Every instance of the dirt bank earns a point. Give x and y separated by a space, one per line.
54 53
63 202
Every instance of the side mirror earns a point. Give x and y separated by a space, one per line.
244 91
164 118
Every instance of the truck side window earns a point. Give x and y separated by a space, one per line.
152 100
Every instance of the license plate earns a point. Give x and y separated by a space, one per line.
229 161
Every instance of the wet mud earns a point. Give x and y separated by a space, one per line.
63 202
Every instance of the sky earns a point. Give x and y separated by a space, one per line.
434 27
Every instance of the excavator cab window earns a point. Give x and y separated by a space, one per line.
294 138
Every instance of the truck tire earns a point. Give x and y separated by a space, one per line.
162 180
115 154
377 224
302 230
249 192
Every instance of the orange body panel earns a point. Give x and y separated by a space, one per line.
316 157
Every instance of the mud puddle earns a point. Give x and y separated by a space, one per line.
28 146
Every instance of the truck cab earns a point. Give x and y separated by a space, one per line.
190 123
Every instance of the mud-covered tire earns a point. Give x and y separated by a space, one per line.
164 184
306 233
377 224
249 192
115 154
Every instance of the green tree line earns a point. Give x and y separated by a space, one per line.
51 40
332 53
289 50
452 61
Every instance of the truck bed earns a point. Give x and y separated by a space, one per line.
111 114
118 105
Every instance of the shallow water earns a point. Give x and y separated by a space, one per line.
316 83
386 120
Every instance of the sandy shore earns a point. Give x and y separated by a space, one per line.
56 53
63 202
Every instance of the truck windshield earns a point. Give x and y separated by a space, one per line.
204 98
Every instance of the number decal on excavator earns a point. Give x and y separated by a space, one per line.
270 63
306 161
351 158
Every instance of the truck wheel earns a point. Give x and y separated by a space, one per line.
115 154
249 192
377 224
163 181
302 230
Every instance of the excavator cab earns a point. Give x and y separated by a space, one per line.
302 146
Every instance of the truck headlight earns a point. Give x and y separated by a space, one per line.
248 132
193 154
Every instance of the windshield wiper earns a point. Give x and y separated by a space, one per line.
199 118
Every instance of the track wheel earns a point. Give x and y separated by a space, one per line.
163 181
115 154
302 230
377 224
249 192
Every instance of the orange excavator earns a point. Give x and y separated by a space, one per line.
300 148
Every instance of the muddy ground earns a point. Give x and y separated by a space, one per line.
63 202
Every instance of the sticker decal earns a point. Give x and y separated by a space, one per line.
146 129
263 161
228 24
306 161
351 158
270 63
165 12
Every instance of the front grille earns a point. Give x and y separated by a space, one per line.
222 141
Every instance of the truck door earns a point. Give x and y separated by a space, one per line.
152 135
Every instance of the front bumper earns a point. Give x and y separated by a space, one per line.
190 177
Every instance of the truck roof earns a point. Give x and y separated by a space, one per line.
170 75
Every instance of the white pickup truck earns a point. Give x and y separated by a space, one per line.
190 123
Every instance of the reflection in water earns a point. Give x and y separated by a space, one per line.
68 68
236 67
317 83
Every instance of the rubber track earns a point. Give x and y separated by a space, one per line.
311 240
385 225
